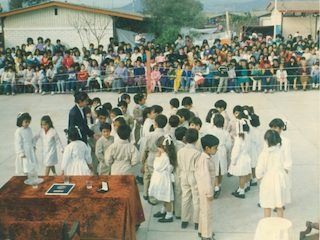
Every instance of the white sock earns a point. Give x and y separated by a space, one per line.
216 188
169 215
241 191
163 210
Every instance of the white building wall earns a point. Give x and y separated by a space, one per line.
305 26
45 23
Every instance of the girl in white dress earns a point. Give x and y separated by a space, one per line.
279 125
161 186
272 175
50 140
240 159
26 159
76 157
220 158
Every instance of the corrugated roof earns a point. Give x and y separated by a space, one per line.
295 6
256 13
81 7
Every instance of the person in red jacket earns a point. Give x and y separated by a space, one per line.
67 60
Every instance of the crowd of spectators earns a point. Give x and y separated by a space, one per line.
253 64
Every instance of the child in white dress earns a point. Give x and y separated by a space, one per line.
76 157
279 125
26 159
161 186
240 159
272 175
220 159
50 140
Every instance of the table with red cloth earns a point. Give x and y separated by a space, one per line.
111 215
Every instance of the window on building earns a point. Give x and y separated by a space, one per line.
56 11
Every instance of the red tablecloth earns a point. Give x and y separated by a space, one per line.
111 215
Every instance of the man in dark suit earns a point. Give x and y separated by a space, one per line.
77 116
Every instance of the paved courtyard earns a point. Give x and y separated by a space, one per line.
234 219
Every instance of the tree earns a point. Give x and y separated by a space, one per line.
15 4
87 25
168 17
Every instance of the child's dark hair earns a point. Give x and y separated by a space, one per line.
73 133
245 127
107 106
21 117
209 141
237 108
116 111
47 120
255 121
272 138
120 119
101 111
180 132
123 104
157 109
145 112
277 122
138 98
80 96
124 131
106 126
96 99
183 112
161 120
174 121
220 104
123 97
250 109
175 102
196 121
192 135
218 120
186 101
210 114
166 143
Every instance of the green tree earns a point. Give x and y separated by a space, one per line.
168 17
15 4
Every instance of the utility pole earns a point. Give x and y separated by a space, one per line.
275 19
133 10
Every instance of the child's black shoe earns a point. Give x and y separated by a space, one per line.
159 215
184 224
165 220
196 226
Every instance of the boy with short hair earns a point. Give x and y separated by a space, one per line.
137 115
188 104
172 126
184 116
129 119
205 176
122 155
180 142
149 150
174 105
101 146
223 74
221 106
187 157
102 115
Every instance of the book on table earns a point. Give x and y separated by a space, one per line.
60 189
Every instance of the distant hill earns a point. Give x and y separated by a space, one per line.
218 6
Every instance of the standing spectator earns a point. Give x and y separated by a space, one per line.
315 75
